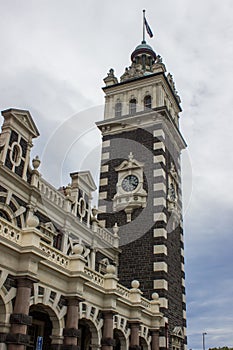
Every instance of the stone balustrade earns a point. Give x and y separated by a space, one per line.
10 231
51 193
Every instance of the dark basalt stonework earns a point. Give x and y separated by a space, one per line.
21 319
71 332
18 338
137 238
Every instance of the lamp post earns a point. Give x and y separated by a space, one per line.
203 340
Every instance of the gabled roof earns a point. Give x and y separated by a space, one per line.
23 118
84 177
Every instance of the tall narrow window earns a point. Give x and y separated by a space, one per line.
132 106
118 109
147 102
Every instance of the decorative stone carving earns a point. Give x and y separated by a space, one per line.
134 71
110 79
130 193
77 249
36 163
172 84
158 66
32 220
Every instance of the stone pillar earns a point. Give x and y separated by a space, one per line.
71 332
154 339
134 336
107 341
17 339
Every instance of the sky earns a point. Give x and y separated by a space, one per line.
54 55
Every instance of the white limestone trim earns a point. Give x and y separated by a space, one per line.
160 266
104 168
182 252
159 172
160 217
163 303
102 209
182 267
8 197
158 133
160 249
160 284
102 223
184 314
159 145
106 143
185 331
104 182
103 195
160 232
162 342
160 201
159 187
183 282
184 298
159 159
105 156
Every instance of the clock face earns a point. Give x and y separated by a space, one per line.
129 183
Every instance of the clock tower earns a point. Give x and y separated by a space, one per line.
140 184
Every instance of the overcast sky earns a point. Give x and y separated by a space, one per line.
54 55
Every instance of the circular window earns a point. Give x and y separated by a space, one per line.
82 207
15 154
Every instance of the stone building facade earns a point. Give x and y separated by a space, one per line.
140 183
74 277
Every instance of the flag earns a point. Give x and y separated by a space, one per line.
149 31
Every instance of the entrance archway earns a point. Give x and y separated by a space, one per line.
120 341
88 335
41 327
143 344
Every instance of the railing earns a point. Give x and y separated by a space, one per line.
104 234
123 291
9 231
95 277
145 303
54 255
51 193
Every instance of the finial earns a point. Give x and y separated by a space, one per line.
130 156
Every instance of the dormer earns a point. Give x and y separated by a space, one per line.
18 130
81 189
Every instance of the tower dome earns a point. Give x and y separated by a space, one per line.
144 55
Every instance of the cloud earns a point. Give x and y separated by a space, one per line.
53 58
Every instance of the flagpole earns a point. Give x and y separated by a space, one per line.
143 27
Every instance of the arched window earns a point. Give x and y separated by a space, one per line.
147 102
118 109
132 106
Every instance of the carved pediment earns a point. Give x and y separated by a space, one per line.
23 118
178 332
83 180
49 231
129 164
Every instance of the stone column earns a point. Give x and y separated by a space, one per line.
154 339
134 336
107 341
71 332
17 339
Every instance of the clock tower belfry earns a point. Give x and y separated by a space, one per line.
140 184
